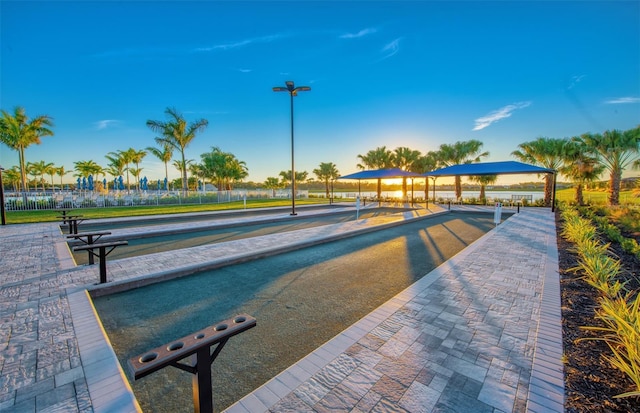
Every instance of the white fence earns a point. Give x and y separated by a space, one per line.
29 201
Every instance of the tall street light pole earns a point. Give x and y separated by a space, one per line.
293 91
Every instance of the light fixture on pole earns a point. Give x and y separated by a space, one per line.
293 91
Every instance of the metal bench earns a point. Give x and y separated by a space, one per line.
101 254
198 345
521 199
73 221
88 239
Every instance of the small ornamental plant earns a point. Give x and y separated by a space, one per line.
619 310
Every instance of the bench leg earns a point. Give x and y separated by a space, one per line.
201 382
90 241
103 265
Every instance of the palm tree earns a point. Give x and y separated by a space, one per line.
377 158
116 165
86 168
177 134
61 172
461 153
236 171
198 172
136 172
545 152
484 180
18 133
616 151
164 153
286 176
427 163
12 177
51 170
136 157
404 158
273 184
580 166
32 169
127 157
183 166
40 169
325 172
223 168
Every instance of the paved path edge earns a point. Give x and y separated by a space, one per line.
108 386
546 387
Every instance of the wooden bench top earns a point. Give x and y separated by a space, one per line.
88 234
100 245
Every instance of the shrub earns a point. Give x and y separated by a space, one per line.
600 272
621 317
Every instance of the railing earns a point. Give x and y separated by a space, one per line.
31 201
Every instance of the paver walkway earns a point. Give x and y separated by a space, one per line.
480 333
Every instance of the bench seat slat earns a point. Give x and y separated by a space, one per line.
86 234
99 245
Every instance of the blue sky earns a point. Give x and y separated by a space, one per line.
414 73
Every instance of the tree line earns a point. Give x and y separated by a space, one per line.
582 159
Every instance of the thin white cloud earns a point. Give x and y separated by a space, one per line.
391 48
623 100
496 115
241 43
361 33
106 123
575 80
245 70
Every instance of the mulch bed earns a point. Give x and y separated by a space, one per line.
590 381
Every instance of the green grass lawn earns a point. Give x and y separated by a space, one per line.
23 217
596 197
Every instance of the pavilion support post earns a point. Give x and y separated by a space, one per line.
426 192
553 193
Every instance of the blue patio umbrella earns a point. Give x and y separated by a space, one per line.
104 183
199 185
90 183
144 183
79 184
115 183
158 184
165 184
84 183
120 183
